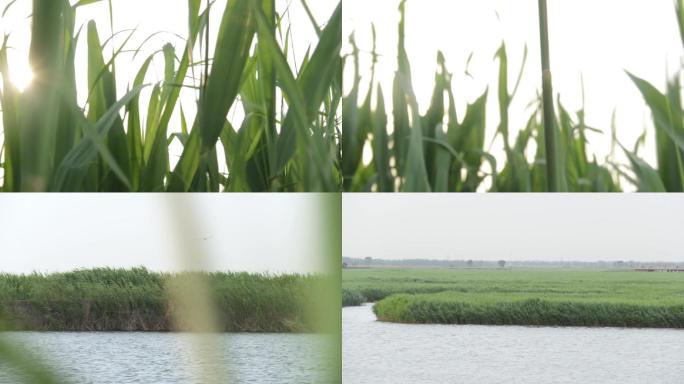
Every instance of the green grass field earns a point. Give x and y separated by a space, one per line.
140 300
521 297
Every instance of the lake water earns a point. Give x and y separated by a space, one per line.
377 352
180 357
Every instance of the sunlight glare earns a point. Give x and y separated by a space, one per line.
21 77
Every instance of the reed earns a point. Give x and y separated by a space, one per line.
521 297
552 172
668 121
136 299
287 140
351 298
459 308
443 152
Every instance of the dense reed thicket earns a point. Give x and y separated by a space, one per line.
443 152
139 300
352 298
519 296
516 309
287 140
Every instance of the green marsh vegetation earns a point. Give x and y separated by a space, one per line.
620 298
136 299
351 297
286 141
441 151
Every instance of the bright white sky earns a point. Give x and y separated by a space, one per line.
551 227
149 17
246 232
598 39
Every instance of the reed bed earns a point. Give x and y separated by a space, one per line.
351 298
546 310
136 299
443 152
287 140
501 296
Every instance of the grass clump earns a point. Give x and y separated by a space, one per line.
351 298
542 310
139 300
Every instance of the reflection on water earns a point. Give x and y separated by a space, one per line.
376 352
172 357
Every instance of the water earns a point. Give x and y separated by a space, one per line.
376 352
171 358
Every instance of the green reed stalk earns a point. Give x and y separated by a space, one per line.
552 179
50 143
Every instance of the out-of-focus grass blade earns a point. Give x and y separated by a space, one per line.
647 178
660 107
39 123
29 368
669 129
10 122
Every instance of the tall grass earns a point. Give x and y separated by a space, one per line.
139 300
668 120
443 152
287 140
459 308
351 297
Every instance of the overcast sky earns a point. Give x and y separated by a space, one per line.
240 232
596 39
552 227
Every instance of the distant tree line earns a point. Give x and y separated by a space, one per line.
471 263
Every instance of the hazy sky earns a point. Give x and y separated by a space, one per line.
553 227
598 39
242 232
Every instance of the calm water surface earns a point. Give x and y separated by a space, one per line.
180 357
376 352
